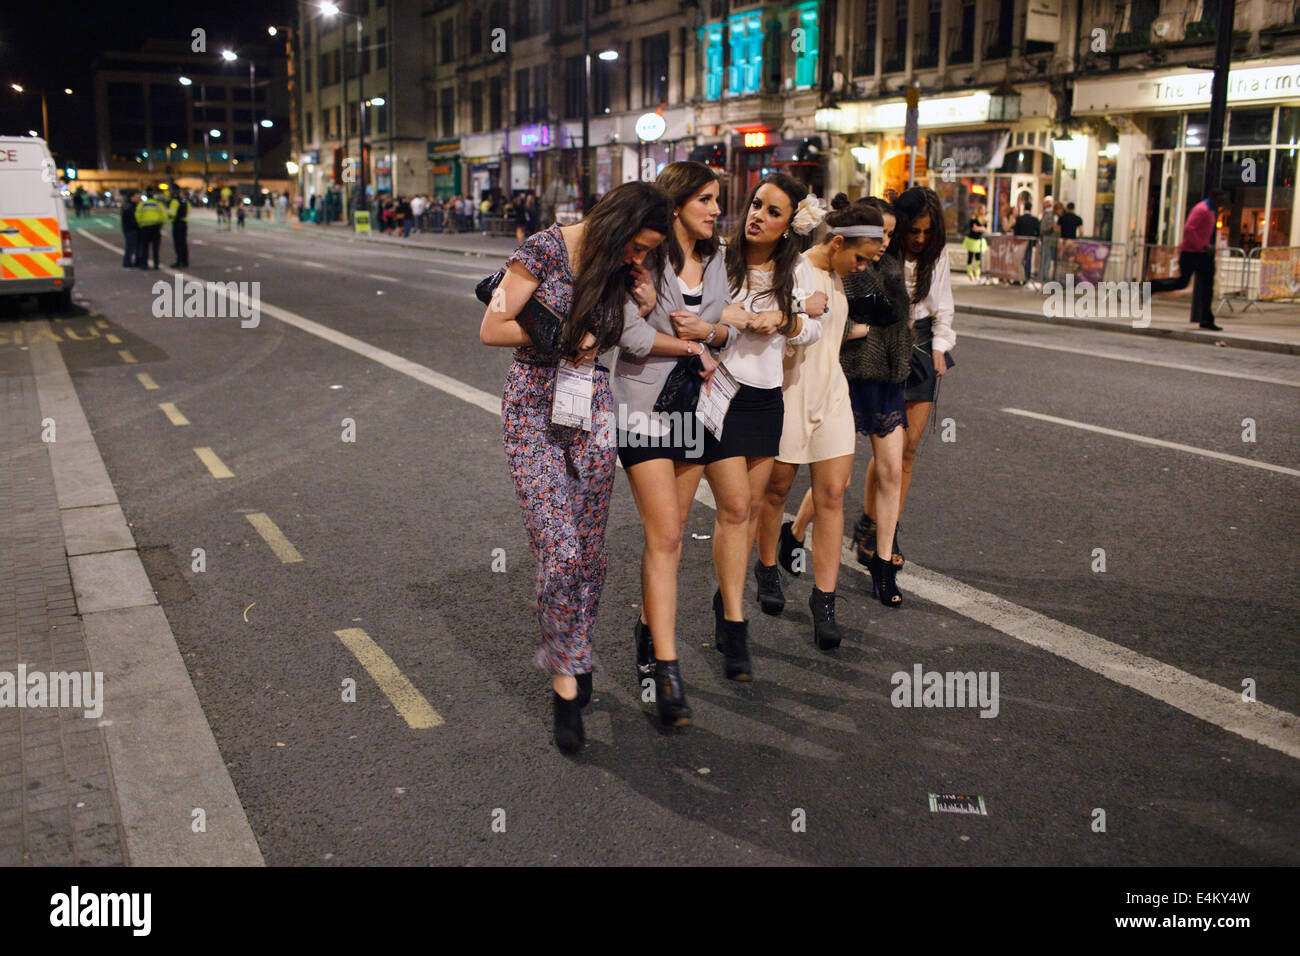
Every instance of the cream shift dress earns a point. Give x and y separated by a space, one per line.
818 417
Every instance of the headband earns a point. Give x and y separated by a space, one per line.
860 232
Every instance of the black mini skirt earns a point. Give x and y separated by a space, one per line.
752 428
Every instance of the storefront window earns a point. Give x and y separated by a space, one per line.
1288 126
1245 178
1198 130
1283 201
1164 131
1019 161
1250 127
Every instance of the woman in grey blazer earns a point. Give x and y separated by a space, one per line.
662 454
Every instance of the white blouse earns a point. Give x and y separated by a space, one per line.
937 304
754 359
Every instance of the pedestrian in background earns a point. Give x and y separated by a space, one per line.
975 244
564 475
1027 226
405 216
418 207
149 216
1049 233
1196 259
178 214
1069 223
240 215
130 229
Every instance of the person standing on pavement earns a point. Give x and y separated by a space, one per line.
920 245
818 428
418 207
768 312
1196 259
564 475
1069 223
178 214
149 216
1049 233
130 229
664 458
975 244
1027 226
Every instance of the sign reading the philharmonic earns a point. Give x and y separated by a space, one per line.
650 126
1178 90
1043 20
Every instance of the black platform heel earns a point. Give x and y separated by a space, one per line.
770 596
670 695
735 649
826 632
787 547
883 582
645 654
569 735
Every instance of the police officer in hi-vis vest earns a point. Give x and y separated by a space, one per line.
149 216
178 214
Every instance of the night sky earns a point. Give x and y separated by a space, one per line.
51 48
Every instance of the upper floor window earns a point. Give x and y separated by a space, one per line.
745 75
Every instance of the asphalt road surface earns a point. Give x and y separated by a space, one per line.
1119 690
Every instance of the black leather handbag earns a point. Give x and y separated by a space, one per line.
543 326
682 389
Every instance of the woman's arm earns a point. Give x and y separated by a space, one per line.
940 302
855 330
499 326
690 326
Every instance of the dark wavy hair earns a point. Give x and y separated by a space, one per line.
875 202
909 207
601 286
681 181
784 257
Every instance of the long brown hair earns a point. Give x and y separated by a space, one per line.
784 257
909 207
601 286
681 181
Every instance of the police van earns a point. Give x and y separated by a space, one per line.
35 245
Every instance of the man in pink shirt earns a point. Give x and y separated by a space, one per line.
1196 258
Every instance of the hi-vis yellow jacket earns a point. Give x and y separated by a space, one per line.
149 212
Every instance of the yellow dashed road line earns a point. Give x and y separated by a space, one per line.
215 465
173 413
410 703
147 380
113 339
273 536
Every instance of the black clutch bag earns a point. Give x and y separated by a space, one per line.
542 325
682 389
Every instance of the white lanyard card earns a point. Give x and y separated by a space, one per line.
574 387
715 399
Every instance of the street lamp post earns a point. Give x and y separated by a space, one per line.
45 113
203 95
330 9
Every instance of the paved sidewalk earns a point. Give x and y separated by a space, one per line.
57 805
1266 326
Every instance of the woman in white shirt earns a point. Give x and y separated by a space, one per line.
920 241
767 313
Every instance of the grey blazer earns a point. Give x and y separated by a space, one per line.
639 376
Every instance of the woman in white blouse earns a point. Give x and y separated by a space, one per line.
920 242
768 313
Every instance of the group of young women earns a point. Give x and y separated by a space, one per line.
849 336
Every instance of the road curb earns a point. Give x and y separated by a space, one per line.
163 759
374 240
1202 338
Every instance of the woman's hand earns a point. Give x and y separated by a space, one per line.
765 323
643 290
736 316
710 366
690 326
587 350
815 304
940 362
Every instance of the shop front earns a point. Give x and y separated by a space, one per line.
1158 162
483 163
443 156
972 152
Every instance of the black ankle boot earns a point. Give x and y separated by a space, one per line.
670 695
826 632
787 547
735 648
864 533
770 596
584 689
883 583
645 654
717 619
568 724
